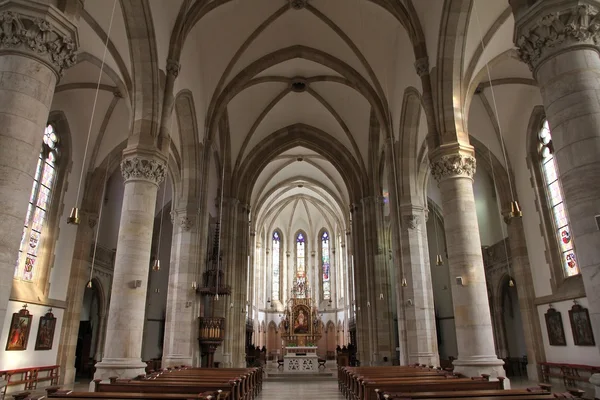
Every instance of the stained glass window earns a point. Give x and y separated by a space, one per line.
276 265
325 265
39 201
556 202
300 254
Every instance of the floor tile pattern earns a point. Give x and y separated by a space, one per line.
300 390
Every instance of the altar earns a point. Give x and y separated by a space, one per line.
301 329
300 359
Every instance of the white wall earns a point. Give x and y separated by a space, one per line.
29 357
111 212
488 215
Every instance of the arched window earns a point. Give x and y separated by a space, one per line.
276 283
300 254
325 265
39 203
556 202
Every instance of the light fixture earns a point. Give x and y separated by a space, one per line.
515 209
380 296
439 261
74 215
511 283
89 284
156 265
404 282
194 285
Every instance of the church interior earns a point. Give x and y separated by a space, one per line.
243 199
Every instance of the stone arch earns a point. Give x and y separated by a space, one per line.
190 148
290 137
409 151
144 64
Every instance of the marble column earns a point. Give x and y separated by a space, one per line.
181 331
559 41
419 312
38 43
453 167
143 172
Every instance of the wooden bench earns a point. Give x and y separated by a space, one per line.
530 394
569 373
30 377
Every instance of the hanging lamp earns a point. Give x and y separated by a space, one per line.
73 218
439 261
515 208
89 284
156 263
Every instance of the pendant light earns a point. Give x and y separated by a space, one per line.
156 263
439 261
515 208
511 283
73 218
89 284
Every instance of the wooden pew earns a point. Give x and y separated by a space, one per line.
148 387
531 394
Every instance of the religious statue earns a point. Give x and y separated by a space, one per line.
301 323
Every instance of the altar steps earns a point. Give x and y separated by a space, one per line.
326 375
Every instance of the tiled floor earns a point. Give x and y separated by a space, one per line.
322 390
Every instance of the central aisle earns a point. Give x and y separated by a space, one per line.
299 390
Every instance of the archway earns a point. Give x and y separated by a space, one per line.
90 326
511 324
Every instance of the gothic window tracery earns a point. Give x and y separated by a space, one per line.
556 202
37 209
325 265
300 254
276 248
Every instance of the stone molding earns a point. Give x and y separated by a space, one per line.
173 67
143 168
184 219
422 66
298 4
453 165
555 30
39 34
411 220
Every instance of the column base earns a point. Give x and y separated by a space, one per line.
424 358
595 380
532 373
175 360
119 367
68 377
476 366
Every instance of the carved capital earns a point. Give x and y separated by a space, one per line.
546 30
422 66
173 67
142 168
184 218
411 221
453 165
41 32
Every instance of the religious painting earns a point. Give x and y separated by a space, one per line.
301 321
554 325
45 335
18 335
581 326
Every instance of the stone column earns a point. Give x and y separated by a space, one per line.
419 312
101 335
143 172
453 167
559 41
181 325
38 43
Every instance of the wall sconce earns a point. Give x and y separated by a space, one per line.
194 285
409 302
157 290
460 281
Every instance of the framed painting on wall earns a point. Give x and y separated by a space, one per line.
581 326
45 334
18 335
554 325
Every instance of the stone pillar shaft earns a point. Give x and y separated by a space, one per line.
181 324
565 62
419 312
454 169
122 357
36 46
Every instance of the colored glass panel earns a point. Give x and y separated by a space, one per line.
43 197
326 266
300 254
34 241
558 208
28 270
48 175
276 265
38 219
38 169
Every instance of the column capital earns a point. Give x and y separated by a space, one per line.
551 27
184 218
453 161
173 67
143 166
38 30
422 66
